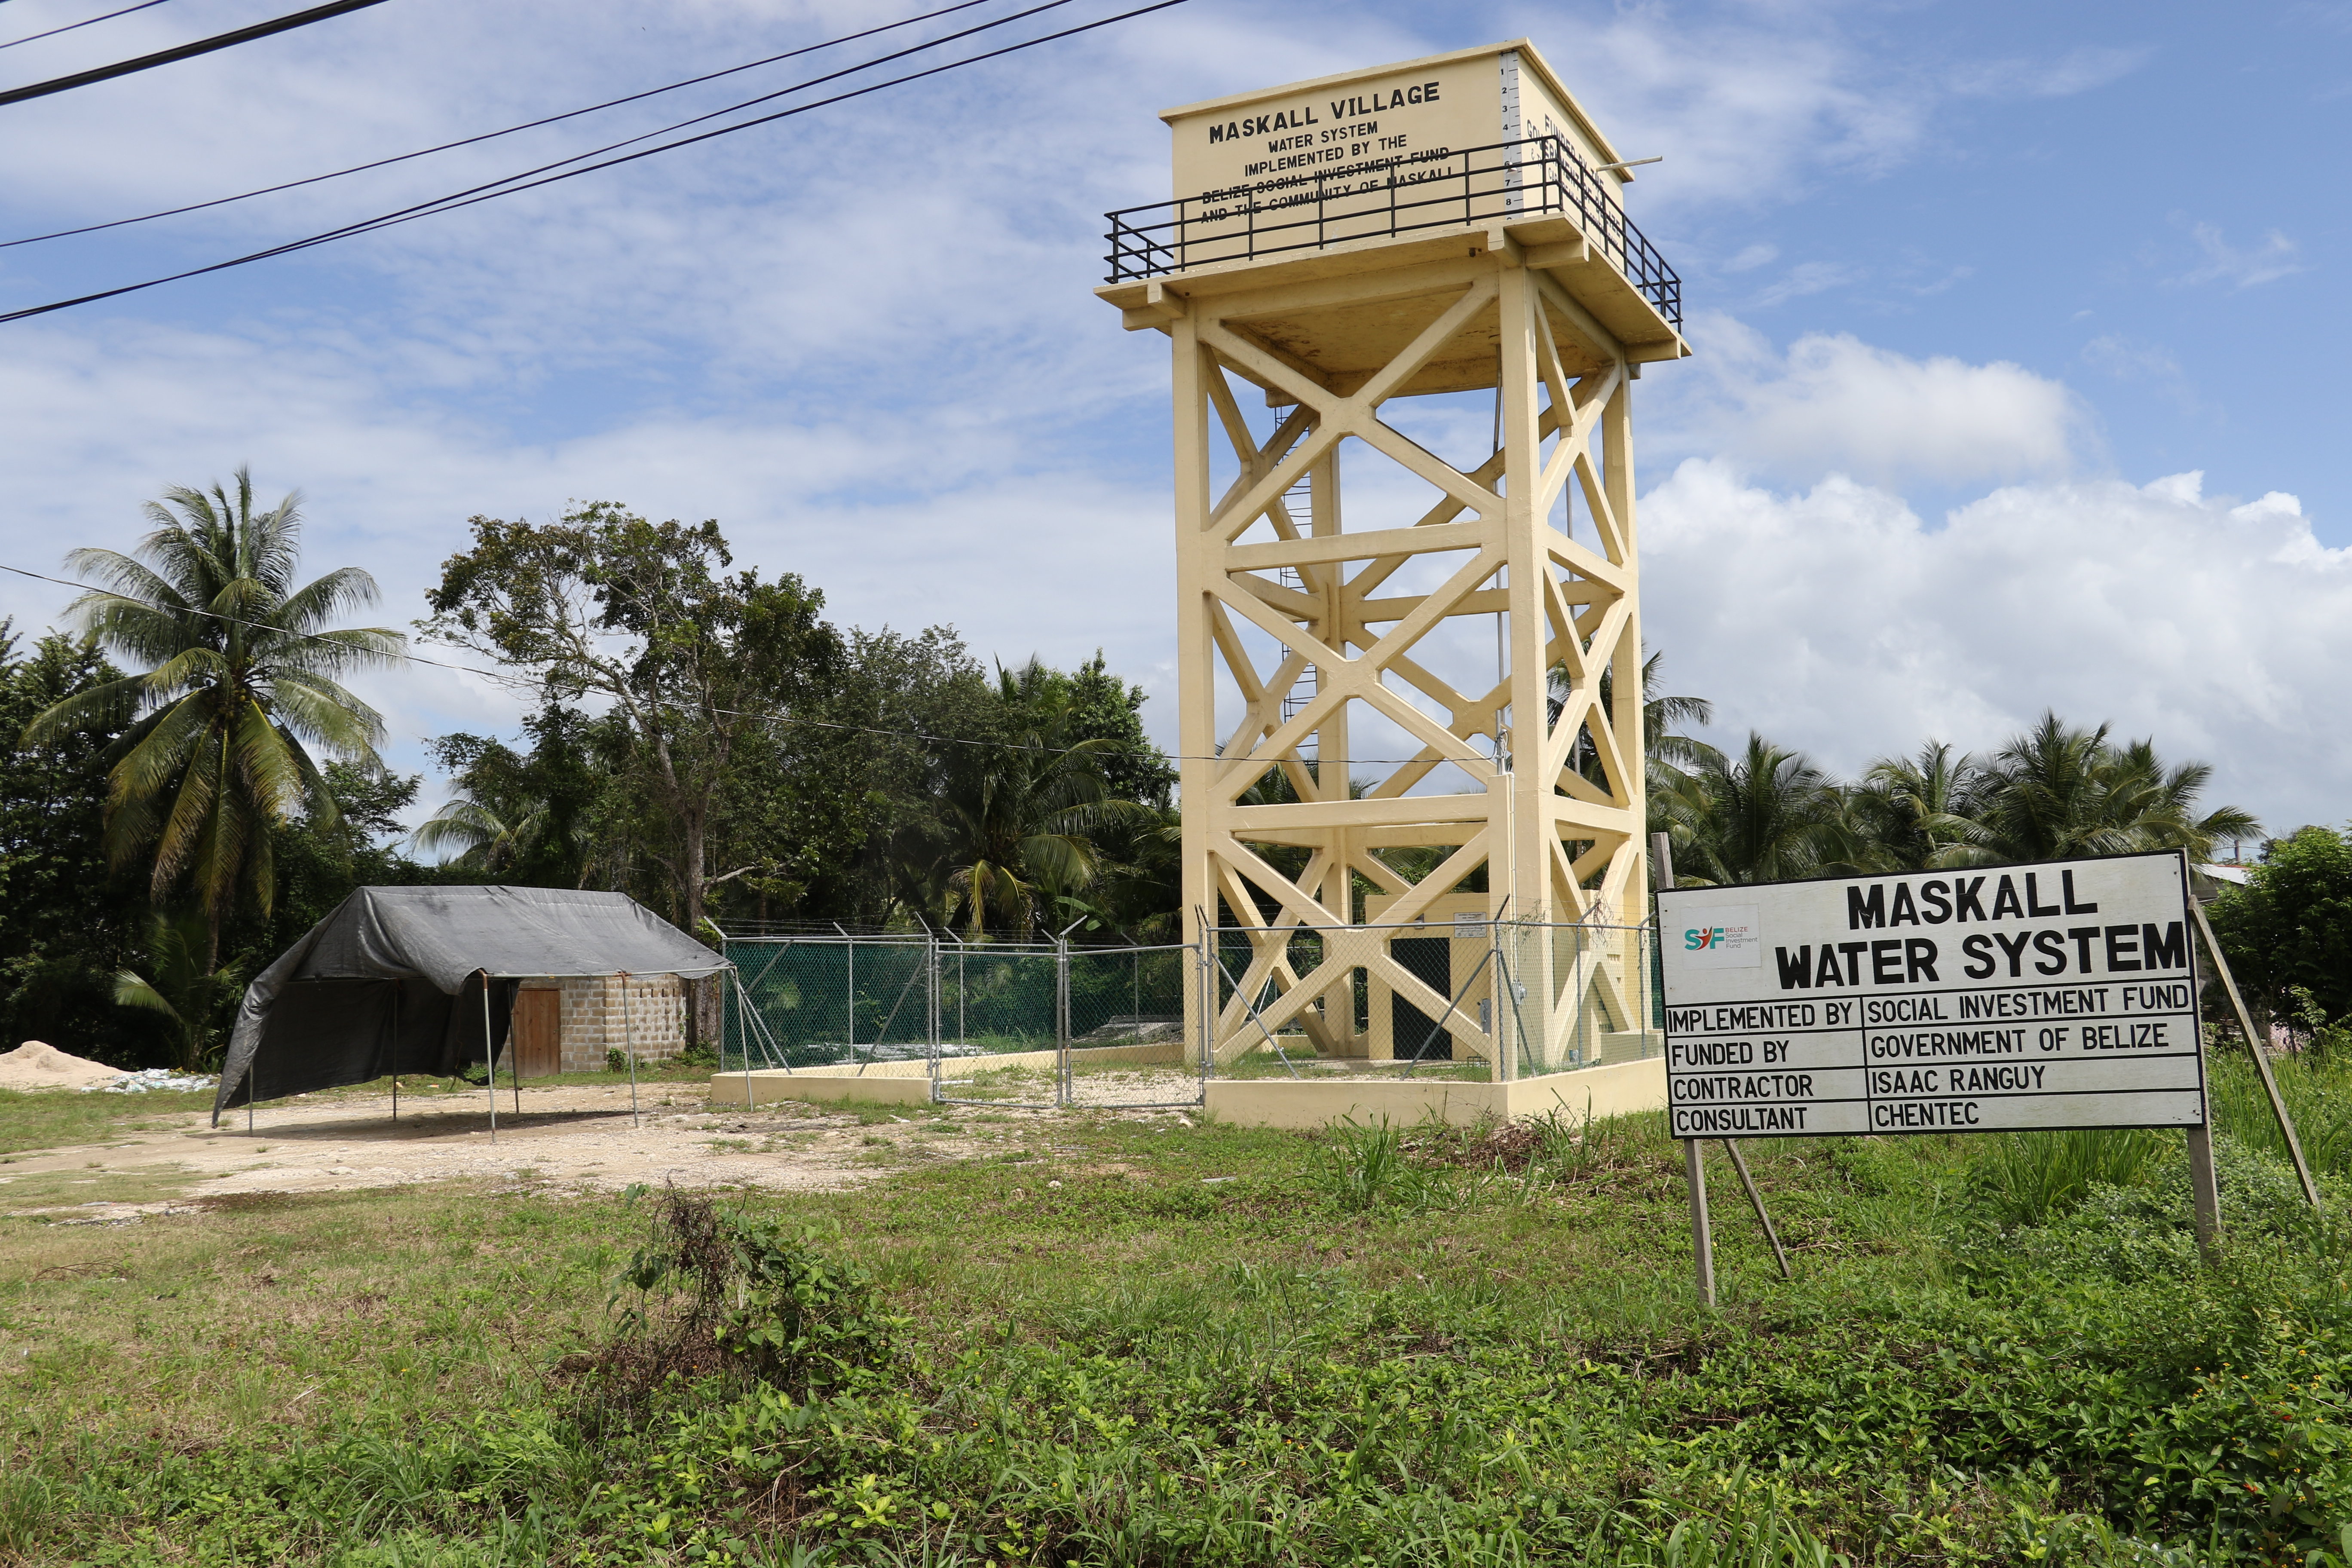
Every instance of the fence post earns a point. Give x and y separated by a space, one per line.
931 1008
742 1034
1505 1051
1061 1020
1206 989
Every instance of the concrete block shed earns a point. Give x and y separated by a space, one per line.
429 980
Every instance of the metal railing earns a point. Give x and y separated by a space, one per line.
1386 198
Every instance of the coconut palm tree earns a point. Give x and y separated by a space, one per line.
241 675
1018 822
522 816
1765 816
1664 745
1017 817
2056 791
1917 813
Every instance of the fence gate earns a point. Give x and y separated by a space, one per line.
1126 1045
1001 1023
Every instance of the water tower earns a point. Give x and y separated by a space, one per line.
1391 662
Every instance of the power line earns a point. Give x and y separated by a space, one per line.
507 186
69 27
493 135
514 683
186 51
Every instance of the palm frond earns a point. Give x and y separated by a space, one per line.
307 608
132 990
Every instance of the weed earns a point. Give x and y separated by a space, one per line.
2026 1178
1365 1168
717 1291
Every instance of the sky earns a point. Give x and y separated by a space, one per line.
2016 378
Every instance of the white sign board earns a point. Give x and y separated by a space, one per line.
1999 998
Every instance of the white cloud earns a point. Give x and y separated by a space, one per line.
1836 620
1806 277
2146 365
2078 70
905 522
1834 403
1745 113
2276 256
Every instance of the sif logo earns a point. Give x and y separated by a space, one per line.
1722 936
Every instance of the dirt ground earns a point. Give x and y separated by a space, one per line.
571 1136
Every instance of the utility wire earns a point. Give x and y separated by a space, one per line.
487 135
507 186
514 682
186 51
69 27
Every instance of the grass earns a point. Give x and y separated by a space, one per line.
2025 1178
53 1118
1207 1344
2318 1099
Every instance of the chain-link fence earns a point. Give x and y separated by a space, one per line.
1465 997
812 1001
1021 1024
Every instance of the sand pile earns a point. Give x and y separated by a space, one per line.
35 1065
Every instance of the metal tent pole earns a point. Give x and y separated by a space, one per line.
489 1059
395 1050
629 1044
514 1071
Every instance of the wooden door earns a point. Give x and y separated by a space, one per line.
538 1033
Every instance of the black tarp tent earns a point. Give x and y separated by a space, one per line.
382 985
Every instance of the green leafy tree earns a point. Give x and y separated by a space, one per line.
645 616
241 679
2290 927
318 859
68 921
1102 706
838 817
